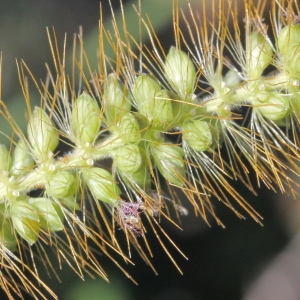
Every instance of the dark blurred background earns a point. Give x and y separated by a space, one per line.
223 263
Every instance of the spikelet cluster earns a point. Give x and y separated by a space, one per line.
112 152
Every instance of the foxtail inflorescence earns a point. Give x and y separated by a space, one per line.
113 151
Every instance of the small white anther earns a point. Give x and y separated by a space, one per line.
16 193
262 87
157 135
227 107
193 112
52 167
90 162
